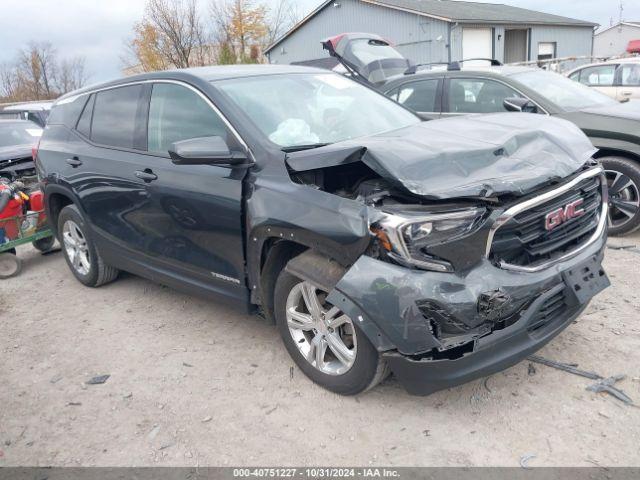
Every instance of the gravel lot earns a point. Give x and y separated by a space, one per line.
195 383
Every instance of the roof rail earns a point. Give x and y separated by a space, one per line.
414 68
492 61
452 66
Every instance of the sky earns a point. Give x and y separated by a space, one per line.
98 29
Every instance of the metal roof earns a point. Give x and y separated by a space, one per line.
459 11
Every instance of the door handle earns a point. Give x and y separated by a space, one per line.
75 162
146 175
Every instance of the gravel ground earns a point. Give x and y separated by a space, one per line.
195 383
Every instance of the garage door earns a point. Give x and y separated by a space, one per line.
476 43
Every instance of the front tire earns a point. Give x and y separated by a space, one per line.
323 341
80 252
623 179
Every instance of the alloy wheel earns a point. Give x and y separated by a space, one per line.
624 198
75 245
324 335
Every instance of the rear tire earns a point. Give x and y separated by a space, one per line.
356 368
623 177
44 244
79 250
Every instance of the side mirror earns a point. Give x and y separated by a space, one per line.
518 104
204 151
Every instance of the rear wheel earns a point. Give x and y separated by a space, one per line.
44 244
324 342
80 252
10 265
623 179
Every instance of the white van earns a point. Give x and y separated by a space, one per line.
620 79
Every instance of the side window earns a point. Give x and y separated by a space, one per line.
114 116
478 95
603 75
84 124
631 75
418 96
575 76
178 113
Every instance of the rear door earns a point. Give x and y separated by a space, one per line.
109 149
629 74
193 216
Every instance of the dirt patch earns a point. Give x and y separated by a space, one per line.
193 382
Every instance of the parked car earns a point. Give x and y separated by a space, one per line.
619 79
444 90
36 112
17 141
442 251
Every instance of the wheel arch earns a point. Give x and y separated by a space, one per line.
56 198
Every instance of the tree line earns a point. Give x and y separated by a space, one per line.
171 34
178 34
38 73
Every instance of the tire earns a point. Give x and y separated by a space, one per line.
10 265
367 367
83 260
44 244
623 177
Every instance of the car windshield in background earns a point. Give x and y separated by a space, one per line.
19 134
314 109
565 93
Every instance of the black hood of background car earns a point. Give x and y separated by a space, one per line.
470 156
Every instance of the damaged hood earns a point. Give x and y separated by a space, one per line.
466 156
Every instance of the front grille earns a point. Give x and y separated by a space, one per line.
551 309
524 240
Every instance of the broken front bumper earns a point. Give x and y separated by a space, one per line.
438 330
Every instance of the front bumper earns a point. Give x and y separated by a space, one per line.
388 303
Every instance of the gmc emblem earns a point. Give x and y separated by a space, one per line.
562 215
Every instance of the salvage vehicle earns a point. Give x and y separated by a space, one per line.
478 86
17 141
441 251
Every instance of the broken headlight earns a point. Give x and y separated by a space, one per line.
407 239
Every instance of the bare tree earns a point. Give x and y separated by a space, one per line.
37 74
171 34
71 75
281 19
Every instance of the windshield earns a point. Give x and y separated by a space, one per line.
565 93
314 109
12 134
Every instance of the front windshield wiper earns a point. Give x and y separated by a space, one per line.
299 148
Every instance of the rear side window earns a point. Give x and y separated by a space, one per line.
178 113
418 96
114 116
84 124
67 112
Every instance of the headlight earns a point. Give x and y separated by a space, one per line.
408 239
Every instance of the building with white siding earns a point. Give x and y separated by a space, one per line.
439 31
613 41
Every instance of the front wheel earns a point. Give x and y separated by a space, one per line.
623 179
323 341
10 265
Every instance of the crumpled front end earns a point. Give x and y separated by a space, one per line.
513 285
